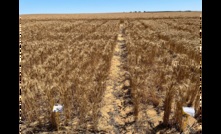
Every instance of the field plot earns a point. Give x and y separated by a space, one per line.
75 60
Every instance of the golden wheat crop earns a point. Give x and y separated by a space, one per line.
66 60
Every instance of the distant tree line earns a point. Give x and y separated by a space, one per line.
158 11
138 11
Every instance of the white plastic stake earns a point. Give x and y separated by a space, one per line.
57 108
189 110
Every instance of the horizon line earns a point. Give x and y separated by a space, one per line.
114 12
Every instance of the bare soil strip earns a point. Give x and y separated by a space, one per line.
117 109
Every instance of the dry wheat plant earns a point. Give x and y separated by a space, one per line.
66 60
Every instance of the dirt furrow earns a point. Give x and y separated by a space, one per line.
117 109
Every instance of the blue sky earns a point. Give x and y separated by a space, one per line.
103 6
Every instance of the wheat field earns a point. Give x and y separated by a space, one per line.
67 59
